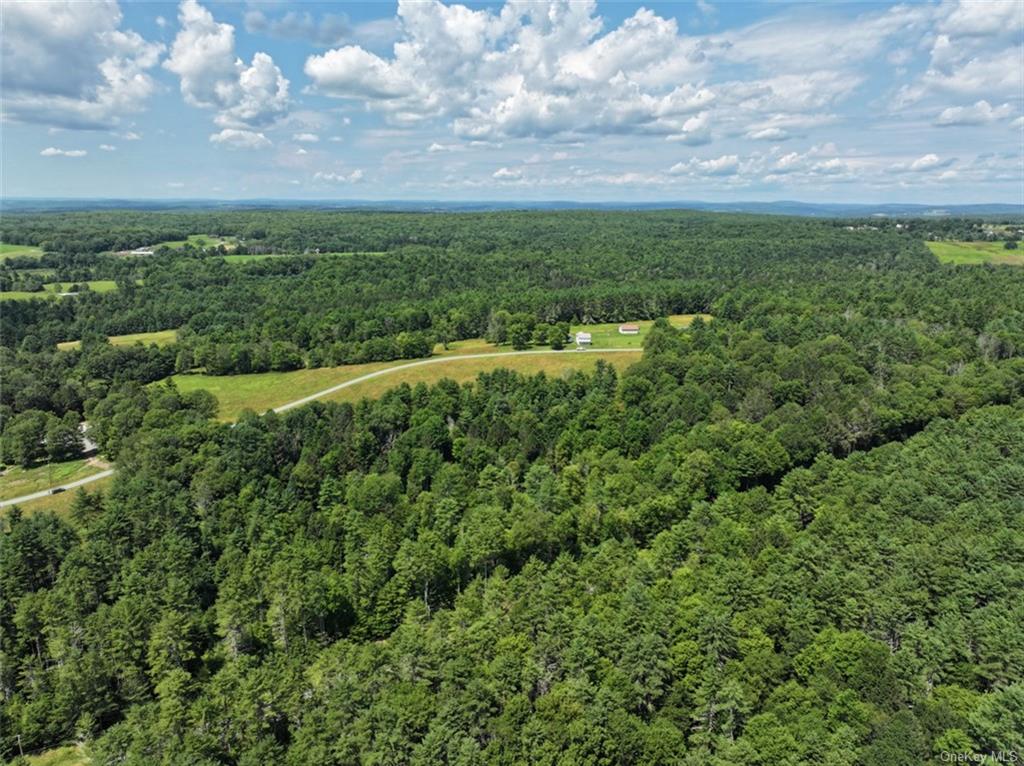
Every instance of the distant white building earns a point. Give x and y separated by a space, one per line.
629 329
583 339
141 251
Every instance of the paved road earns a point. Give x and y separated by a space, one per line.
45 492
354 382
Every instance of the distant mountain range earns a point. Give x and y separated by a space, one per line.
787 207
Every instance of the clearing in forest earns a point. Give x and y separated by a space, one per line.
976 252
158 338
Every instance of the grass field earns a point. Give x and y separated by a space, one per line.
976 252
607 335
60 504
52 289
13 251
465 370
159 338
16 481
61 756
198 240
265 390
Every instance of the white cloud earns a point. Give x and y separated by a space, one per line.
353 177
767 134
507 174
108 148
923 164
69 64
175 185
306 138
980 113
240 139
527 70
435 147
130 136
51 151
301 151
329 29
212 77
726 165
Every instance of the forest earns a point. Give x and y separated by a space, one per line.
792 534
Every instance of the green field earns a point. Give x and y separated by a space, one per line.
13 251
17 481
265 390
976 252
53 289
608 336
198 240
60 504
466 370
158 338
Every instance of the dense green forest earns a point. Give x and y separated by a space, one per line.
790 535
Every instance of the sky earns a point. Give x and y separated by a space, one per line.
521 100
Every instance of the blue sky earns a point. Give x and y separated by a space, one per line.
872 102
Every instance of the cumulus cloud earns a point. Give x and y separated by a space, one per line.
352 177
108 148
726 165
526 70
306 138
70 64
234 138
923 164
980 113
245 97
52 151
507 174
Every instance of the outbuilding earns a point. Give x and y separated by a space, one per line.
583 339
629 329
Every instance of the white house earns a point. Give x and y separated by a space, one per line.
583 339
629 329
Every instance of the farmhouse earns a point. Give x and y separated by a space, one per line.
629 329
141 251
583 339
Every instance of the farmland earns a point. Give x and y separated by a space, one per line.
159 338
54 290
201 241
263 391
976 253
16 251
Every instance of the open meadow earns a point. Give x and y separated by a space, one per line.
267 390
55 289
15 251
976 253
158 338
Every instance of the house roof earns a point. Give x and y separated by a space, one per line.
629 326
